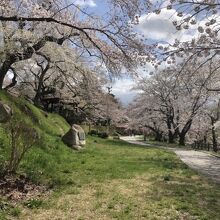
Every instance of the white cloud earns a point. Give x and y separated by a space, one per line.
159 27
84 3
122 90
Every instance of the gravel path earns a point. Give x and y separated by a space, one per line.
202 162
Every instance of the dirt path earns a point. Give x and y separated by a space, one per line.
202 162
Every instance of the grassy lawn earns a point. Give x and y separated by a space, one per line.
111 179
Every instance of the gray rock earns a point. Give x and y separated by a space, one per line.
81 135
5 113
74 138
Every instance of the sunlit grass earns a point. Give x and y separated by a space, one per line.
111 179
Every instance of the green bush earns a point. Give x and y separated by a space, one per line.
93 132
99 134
103 135
21 137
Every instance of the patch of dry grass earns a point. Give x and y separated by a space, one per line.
133 198
120 199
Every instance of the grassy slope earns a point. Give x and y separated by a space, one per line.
49 126
110 179
41 162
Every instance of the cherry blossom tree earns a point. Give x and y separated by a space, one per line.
213 113
144 113
177 97
27 26
199 133
204 130
200 20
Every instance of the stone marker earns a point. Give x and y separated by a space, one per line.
5 113
75 137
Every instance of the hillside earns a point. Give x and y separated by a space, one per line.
50 128
41 162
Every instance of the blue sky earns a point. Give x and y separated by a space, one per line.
99 7
121 88
154 27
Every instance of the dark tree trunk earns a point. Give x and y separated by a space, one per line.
182 139
182 134
205 142
214 138
2 77
158 136
39 91
171 135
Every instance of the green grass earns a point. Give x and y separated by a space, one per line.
41 162
109 179
50 128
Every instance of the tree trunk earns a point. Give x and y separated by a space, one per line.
38 95
145 137
171 137
214 138
169 126
182 134
158 136
182 139
2 76
157 132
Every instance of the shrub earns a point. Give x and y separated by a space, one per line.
103 135
22 137
93 132
99 134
